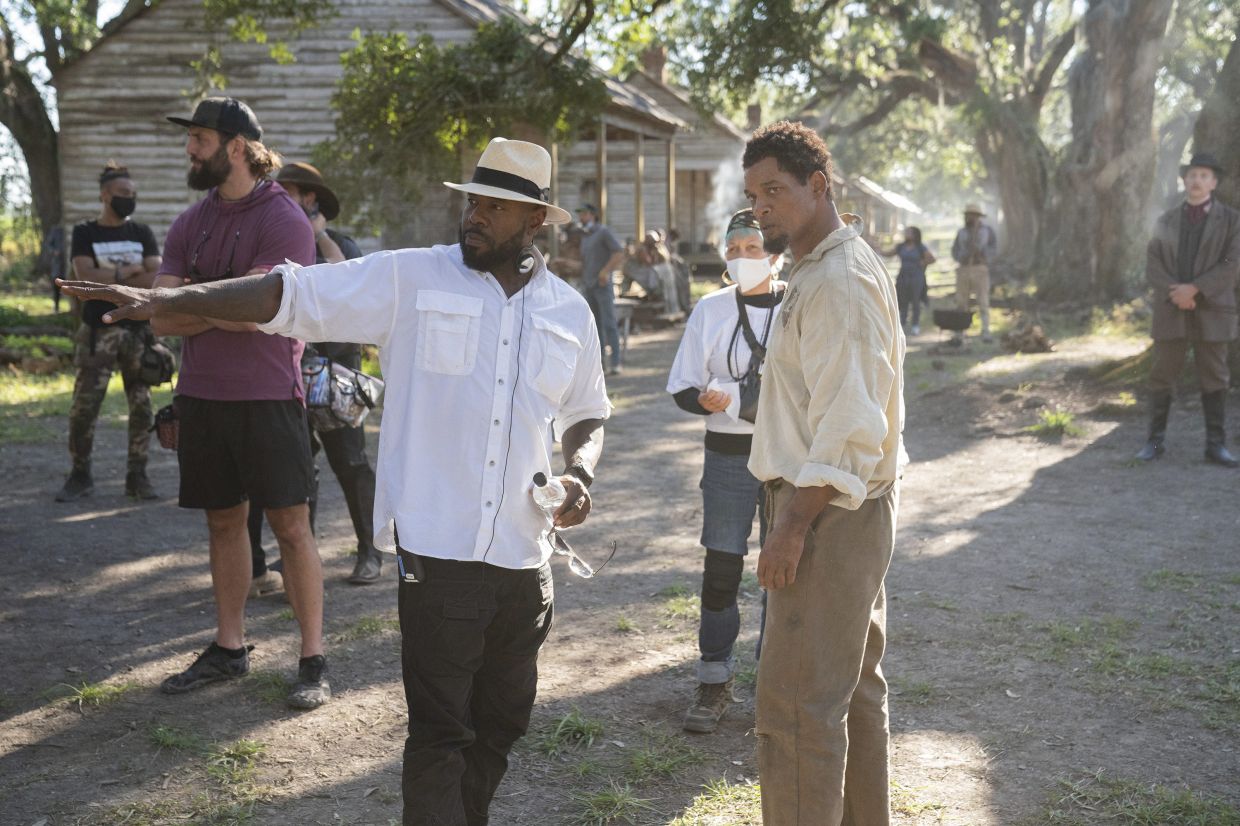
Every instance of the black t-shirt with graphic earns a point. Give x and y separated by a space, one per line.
111 247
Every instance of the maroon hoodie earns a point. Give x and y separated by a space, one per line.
216 239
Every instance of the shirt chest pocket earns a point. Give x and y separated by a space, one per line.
553 358
448 328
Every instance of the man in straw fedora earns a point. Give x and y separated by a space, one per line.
974 249
1192 264
487 355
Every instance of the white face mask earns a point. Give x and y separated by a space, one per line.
749 272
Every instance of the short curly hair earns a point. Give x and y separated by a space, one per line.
799 150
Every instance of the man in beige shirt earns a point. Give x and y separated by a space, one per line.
827 445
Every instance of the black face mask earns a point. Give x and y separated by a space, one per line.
123 207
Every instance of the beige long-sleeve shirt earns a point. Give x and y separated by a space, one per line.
831 410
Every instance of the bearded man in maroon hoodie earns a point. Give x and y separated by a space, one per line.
239 396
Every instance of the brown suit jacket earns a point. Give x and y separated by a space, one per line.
1215 272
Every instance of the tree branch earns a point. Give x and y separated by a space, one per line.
899 89
953 70
1059 52
579 27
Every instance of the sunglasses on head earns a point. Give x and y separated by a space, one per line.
193 263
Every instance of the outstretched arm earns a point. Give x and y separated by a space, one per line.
253 298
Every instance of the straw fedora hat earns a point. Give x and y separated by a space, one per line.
974 209
515 171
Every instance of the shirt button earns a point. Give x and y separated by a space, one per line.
501 381
496 422
491 463
505 341
488 504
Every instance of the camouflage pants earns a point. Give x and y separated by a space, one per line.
114 347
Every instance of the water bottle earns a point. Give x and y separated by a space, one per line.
548 494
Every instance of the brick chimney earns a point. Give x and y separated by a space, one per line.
753 116
654 62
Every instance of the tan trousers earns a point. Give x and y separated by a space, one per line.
1170 355
974 279
822 700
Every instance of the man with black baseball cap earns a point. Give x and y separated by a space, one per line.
239 398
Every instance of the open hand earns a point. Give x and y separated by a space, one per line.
715 401
576 505
131 303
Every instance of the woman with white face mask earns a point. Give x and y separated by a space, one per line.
715 360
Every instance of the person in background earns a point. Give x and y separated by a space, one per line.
345 446
660 260
601 255
239 397
911 280
714 355
52 260
1192 264
684 276
114 248
974 249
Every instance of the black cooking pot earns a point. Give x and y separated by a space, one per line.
957 321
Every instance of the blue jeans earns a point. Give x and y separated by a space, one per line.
602 301
730 495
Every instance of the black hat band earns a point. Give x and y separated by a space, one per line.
513 183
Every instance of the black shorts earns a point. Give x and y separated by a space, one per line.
233 451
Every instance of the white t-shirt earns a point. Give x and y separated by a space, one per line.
707 351
478 382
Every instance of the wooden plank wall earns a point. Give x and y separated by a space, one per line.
113 102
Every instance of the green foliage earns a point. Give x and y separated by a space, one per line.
269 686
410 111
720 802
252 21
234 763
663 756
1054 424
97 694
170 737
615 804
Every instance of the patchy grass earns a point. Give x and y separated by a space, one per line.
170 737
234 763
35 409
203 810
368 627
286 614
904 801
683 607
613 805
663 756
913 692
1165 579
271 687
1100 799
747 675
1087 638
1055 424
573 730
626 626
677 589
723 804
97 694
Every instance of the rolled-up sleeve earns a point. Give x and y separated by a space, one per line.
849 378
352 301
586 396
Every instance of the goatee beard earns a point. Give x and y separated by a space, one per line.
775 245
504 253
211 172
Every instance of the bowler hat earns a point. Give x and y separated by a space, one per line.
1205 159
227 115
305 176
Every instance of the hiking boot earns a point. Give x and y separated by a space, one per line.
1214 407
78 484
709 706
137 486
270 582
311 689
212 666
369 568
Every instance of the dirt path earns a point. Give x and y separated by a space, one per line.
1054 612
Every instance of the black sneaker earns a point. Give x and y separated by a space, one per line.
137 486
212 666
311 689
78 484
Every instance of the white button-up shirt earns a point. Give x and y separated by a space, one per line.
479 384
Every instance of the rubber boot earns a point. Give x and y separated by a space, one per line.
1214 407
1160 409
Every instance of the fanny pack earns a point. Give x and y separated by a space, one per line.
337 395
167 427
157 364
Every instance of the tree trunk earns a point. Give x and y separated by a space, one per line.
1097 221
22 111
1218 131
1018 162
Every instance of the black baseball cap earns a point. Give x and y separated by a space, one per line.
227 115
